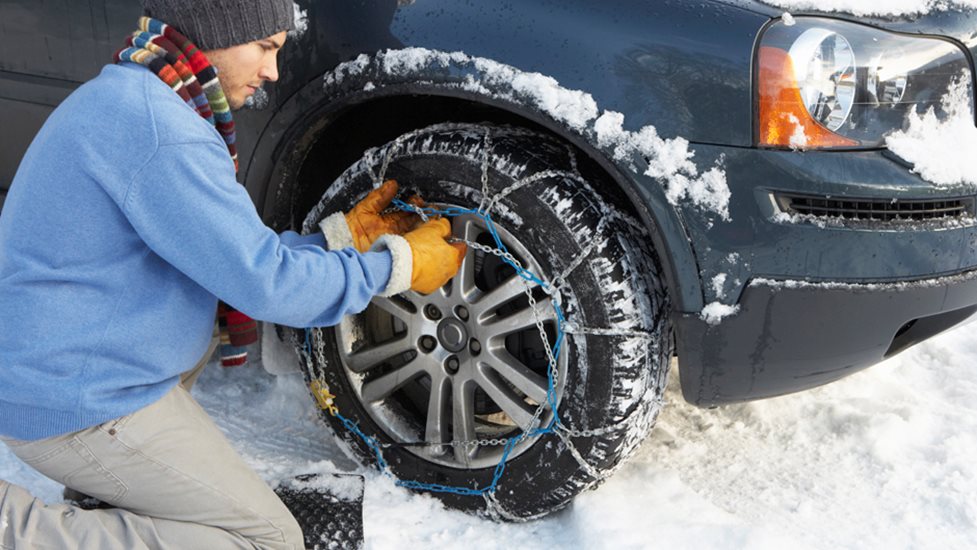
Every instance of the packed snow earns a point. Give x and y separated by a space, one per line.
668 159
798 139
934 146
888 8
301 18
258 100
715 312
883 459
859 287
719 284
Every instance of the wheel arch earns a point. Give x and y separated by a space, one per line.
342 119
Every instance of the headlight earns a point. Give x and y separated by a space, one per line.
823 83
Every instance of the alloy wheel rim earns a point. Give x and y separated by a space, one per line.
440 368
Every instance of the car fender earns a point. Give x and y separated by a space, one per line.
571 114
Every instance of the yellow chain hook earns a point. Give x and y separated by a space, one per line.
325 399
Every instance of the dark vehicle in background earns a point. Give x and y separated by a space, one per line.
557 119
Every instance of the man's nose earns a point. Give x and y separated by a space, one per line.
270 71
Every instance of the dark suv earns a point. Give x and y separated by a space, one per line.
639 180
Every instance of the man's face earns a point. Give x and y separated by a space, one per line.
242 69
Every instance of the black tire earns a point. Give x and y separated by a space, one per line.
612 379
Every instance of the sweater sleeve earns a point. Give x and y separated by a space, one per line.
188 208
291 238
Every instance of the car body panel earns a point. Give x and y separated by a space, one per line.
641 58
48 49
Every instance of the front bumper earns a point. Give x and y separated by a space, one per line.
874 287
790 336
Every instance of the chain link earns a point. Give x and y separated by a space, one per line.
394 147
622 426
486 147
572 155
493 251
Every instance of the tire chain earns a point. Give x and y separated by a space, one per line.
552 289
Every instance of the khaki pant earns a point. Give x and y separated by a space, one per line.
175 479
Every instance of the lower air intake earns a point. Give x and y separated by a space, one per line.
882 210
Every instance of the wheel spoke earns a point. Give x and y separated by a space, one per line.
463 419
464 282
366 359
383 386
436 429
514 287
525 380
444 293
518 410
522 319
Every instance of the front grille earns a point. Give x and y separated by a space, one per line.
884 210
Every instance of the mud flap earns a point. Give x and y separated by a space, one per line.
328 507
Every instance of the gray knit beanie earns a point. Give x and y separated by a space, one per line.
216 24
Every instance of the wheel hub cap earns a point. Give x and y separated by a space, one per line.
453 335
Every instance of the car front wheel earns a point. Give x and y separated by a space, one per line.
445 387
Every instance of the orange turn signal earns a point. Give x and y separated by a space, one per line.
784 120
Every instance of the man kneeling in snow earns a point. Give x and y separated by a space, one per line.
123 228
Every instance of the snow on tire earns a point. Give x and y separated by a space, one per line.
441 381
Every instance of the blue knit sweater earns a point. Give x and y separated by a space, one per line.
123 227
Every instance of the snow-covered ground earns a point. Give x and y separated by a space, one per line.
886 458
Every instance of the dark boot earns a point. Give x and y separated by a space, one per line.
328 508
82 500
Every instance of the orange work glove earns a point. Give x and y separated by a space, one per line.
367 223
435 260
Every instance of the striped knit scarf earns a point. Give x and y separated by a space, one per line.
185 69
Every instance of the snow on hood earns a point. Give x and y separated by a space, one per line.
669 159
887 8
942 151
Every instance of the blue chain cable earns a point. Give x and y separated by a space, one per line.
375 446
